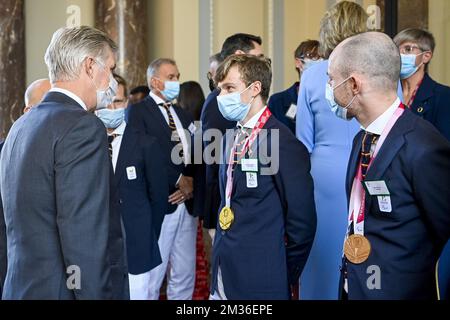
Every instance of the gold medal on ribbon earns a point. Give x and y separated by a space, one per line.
226 218
357 248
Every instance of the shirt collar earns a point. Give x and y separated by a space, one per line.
377 127
250 124
120 129
157 99
70 95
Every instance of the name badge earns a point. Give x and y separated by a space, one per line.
292 111
252 179
249 165
131 173
192 128
377 188
384 202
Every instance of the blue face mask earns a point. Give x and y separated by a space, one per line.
232 108
340 112
171 90
409 67
112 119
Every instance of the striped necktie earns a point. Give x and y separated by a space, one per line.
167 106
110 140
369 139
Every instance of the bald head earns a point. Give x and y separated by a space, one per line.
372 55
35 93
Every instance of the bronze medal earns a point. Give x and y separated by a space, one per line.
357 248
226 218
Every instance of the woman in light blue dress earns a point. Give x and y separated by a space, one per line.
329 140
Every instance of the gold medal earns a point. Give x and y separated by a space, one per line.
226 218
357 248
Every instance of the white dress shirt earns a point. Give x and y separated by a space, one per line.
377 126
70 95
250 124
117 143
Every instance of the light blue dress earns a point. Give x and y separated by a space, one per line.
329 140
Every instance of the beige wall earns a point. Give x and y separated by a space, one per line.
439 25
173 30
233 16
43 18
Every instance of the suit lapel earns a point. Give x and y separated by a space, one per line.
353 162
391 146
129 142
158 117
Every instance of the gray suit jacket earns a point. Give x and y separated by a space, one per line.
54 183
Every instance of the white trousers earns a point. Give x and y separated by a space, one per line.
219 293
177 244
140 286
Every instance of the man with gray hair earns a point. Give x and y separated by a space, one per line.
63 241
397 178
159 116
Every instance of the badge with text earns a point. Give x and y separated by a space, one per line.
384 202
249 165
292 111
252 180
131 173
377 188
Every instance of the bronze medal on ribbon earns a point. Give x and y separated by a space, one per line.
226 218
357 248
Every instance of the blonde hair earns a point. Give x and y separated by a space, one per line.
343 20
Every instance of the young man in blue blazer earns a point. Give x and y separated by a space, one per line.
267 218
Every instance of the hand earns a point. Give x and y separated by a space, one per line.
186 186
177 197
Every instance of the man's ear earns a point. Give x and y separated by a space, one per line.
89 67
356 85
257 88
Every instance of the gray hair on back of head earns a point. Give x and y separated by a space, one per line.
69 47
374 55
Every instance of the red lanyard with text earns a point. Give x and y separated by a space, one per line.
247 145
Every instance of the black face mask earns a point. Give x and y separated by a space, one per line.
212 87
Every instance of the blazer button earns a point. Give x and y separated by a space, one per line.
120 201
420 109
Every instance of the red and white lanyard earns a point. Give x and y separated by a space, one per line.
247 145
358 195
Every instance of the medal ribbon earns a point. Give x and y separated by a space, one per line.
358 195
247 145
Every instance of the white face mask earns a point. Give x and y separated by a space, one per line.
105 97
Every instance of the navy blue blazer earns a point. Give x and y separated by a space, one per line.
266 248
406 243
212 119
147 118
432 103
280 102
143 200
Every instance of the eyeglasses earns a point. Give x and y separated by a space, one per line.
408 49
311 56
